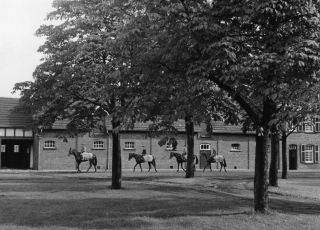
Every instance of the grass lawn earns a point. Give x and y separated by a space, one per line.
85 201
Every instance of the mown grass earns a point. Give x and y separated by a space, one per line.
68 201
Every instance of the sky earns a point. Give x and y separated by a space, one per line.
19 20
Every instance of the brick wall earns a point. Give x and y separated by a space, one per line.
221 143
58 159
298 138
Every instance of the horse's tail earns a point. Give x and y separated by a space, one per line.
95 161
197 161
154 161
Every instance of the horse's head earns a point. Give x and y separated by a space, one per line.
71 151
130 156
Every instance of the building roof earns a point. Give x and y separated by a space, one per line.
221 127
10 116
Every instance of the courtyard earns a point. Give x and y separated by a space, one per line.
164 200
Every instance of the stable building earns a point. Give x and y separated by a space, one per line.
16 136
26 147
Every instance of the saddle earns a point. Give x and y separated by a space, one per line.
86 156
147 158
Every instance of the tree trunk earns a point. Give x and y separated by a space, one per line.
261 163
190 143
273 171
284 156
261 173
116 155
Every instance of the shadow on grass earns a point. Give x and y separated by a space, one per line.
131 207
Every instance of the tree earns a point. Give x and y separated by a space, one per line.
257 51
87 69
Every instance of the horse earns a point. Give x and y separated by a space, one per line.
151 160
82 157
216 158
180 158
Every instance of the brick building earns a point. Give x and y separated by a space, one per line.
23 148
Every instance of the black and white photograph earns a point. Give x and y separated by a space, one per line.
159 114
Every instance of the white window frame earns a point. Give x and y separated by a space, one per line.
9 132
316 154
49 144
317 124
129 145
98 145
235 147
308 128
307 154
204 146
16 148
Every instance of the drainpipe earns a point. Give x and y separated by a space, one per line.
248 152
0 152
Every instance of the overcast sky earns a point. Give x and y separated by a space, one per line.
19 19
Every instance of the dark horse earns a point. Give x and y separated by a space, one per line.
82 157
181 159
216 158
151 160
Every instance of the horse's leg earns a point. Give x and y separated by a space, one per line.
78 166
89 166
154 165
205 167
178 167
149 166
140 167
221 165
182 166
134 168
210 166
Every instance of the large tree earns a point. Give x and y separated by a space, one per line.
260 52
87 69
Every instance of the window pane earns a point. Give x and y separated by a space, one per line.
129 145
9 132
3 148
16 148
2 132
19 132
98 145
49 144
28 133
235 147
204 146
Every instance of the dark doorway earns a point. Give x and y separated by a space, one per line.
293 157
204 155
16 154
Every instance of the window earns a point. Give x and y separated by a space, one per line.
3 148
49 144
98 145
308 127
10 132
307 153
317 124
2 132
129 145
28 133
205 147
19 133
316 154
16 148
235 147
